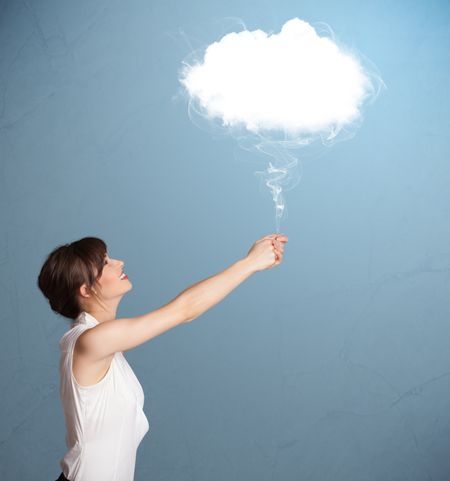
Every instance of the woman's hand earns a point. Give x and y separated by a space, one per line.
267 252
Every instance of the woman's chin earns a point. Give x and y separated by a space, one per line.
127 288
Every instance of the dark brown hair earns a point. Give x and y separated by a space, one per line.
66 269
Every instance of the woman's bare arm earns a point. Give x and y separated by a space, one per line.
207 293
126 333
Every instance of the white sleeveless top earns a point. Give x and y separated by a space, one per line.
105 422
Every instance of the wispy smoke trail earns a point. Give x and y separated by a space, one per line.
276 93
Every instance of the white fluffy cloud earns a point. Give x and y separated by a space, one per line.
294 81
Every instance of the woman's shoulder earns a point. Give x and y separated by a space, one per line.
71 335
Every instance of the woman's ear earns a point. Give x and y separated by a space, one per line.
84 291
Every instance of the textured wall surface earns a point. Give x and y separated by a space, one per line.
335 366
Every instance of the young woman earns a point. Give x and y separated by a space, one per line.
102 398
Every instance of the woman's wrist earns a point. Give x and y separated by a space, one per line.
246 265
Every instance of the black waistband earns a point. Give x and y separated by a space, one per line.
62 478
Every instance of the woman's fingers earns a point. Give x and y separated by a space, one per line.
280 237
278 259
278 254
278 245
271 237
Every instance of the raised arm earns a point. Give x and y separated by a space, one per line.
126 333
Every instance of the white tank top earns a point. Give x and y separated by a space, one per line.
105 422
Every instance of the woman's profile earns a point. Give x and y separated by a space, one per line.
102 398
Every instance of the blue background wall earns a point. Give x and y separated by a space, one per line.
333 366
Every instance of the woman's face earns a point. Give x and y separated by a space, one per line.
111 283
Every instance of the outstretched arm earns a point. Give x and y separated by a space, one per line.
206 293
124 334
